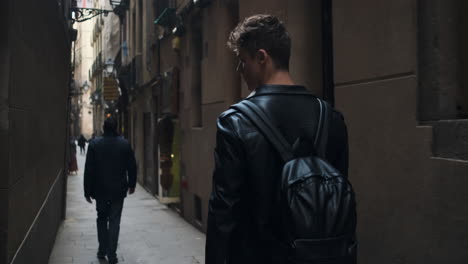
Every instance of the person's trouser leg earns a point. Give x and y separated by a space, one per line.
103 209
115 214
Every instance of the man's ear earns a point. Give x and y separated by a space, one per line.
262 55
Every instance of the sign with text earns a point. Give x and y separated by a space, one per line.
111 89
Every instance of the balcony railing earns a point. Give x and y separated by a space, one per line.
97 65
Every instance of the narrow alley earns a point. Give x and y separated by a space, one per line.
155 80
150 232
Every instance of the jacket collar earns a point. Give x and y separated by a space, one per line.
110 134
268 89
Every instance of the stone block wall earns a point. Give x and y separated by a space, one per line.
410 204
34 76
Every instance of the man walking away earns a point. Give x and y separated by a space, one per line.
82 143
280 190
110 173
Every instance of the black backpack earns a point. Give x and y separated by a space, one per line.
317 202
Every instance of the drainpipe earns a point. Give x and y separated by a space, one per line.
327 52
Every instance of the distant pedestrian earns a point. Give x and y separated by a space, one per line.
82 144
72 162
280 190
110 173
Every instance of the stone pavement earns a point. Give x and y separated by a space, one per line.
150 233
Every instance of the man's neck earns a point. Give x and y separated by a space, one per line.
109 134
280 78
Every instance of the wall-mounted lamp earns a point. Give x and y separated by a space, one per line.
86 86
109 66
178 30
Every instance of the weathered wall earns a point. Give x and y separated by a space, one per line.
143 103
462 92
410 206
439 48
140 39
4 127
220 87
35 76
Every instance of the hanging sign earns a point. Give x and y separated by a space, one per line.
111 89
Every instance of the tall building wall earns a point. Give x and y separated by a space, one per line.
83 62
410 203
35 75
139 57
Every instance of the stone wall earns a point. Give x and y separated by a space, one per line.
34 73
411 205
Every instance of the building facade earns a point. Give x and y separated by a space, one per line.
394 68
96 72
105 42
138 75
83 54
35 80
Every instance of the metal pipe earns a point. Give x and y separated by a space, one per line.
328 92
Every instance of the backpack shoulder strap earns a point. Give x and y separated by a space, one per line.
257 116
321 137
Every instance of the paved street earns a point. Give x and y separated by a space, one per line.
149 233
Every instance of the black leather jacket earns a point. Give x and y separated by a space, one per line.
242 220
108 161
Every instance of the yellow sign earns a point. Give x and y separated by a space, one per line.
111 89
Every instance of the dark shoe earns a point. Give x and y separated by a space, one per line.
113 261
101 255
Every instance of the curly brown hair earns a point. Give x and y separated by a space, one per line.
263 32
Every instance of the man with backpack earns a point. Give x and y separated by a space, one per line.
280 188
